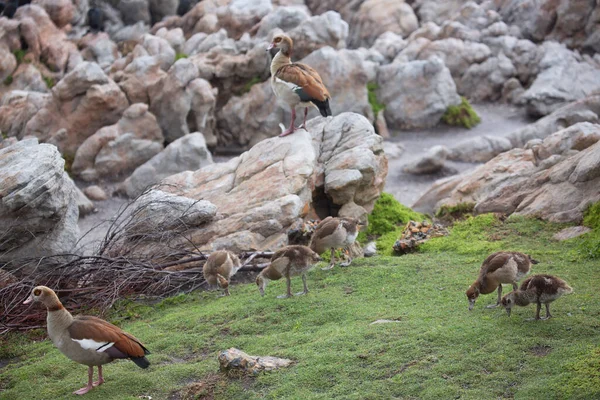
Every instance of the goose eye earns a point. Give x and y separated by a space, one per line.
37 292
277 40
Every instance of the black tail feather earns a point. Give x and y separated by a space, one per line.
323 107
141 362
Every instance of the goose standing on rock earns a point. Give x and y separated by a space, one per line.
220 266
334 233
87 340
296 84
500 267
289 261
537 289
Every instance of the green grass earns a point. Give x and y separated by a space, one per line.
179 56
376 106
251 83
461 115
8 80
436 350
49 82
19 55
455 211
590 242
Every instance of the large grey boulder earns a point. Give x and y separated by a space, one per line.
337 166
38 207
188 153
565 77
416 94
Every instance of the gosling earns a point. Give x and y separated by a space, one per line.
333 233
500 267
537 289
289 261
220 266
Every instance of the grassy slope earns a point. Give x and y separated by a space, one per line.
437 350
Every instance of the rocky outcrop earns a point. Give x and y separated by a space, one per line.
337 167
416 94
555 179
38 207
81 103
117 149
188 153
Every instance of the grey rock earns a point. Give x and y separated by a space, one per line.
236 360
571 233
389 44
328 29
416 94
563 79
429 30
95 193
484 82
38 212
284 18
134 11
188 153
433 161
370 249
479 149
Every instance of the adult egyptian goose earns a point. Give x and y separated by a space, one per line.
87 340
220 266
333 233
500 267
537 289
289 261
296 84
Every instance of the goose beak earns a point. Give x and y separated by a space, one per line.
534 261
471 304
270 46
508 310
29 300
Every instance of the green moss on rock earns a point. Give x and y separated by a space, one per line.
592 216
19 55
461 115
589 246
251 83
179 56
376 106
49 82
455 211
8 80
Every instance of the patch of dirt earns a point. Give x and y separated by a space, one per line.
540 350
203 389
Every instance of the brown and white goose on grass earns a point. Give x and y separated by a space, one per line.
287 262
220 266
87 340
498 268
539 289
296 84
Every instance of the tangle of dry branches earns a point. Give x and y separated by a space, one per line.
116 269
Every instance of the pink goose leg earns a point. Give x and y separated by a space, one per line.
291 128
90 385
100 377
303 126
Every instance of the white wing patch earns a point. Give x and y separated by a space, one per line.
290 85
90 344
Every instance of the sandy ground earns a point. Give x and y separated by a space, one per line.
497 119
